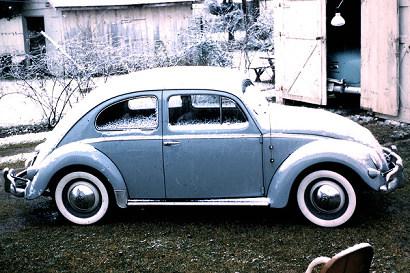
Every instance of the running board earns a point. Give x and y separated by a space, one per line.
257 201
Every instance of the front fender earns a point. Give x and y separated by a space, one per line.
69 155
350 154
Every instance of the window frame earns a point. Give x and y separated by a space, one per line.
156 109
221 125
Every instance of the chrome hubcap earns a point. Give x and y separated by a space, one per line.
327 197
83 196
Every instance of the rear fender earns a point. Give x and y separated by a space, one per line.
350 154
74 154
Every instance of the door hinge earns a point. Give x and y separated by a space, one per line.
261 139
263 190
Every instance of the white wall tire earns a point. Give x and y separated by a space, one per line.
81 198
326 198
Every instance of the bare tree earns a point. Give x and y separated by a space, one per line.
57 79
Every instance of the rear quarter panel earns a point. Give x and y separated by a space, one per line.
74 154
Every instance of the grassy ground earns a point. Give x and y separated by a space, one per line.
35 238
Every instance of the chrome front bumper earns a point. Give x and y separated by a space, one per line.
395 176
15 183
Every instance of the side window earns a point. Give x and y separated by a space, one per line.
136 113
204 110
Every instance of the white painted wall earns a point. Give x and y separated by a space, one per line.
11 36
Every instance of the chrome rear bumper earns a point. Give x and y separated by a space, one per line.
15 183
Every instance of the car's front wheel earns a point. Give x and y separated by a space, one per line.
326 198
81 198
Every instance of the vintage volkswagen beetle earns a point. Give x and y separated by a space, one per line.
203 136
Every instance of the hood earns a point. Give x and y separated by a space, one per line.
300 120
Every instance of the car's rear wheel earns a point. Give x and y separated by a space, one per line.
326 198
81 198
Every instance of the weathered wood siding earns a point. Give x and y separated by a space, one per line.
300 50
137 27
385 58
380 33
11 36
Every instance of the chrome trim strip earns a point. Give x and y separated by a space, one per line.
119 138
291 135
257 201
169 137
211 136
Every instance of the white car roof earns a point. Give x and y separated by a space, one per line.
170 78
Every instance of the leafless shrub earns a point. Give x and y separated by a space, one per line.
51 93
56 79
213 37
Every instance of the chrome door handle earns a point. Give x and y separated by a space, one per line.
171 143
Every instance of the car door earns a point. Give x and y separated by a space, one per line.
212 147
131 136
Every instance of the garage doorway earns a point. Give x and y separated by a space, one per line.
35 41
344 49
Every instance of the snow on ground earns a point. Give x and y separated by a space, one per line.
27 138
16 158
18 110
19 139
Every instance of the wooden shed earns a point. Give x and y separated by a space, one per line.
137 23
379 30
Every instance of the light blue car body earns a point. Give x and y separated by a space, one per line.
259 162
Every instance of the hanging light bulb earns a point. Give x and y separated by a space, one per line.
338 20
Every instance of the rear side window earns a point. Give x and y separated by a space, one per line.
136 113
